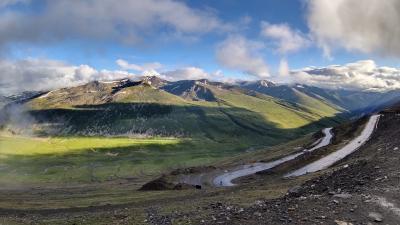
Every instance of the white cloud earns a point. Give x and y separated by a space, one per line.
284 67
367 26
187 73
128 21
153 69
125 65
44 74
287 40
238 53
361 75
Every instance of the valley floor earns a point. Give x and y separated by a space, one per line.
31 161
362 188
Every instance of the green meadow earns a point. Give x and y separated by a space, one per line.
27 160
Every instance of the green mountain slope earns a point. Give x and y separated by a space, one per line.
283 114
296 95
195 109
352 101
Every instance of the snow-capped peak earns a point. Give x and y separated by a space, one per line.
266 83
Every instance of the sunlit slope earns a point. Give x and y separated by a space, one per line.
27 160
19 145
95 93
301 98
147 94
327 100
217 112
283 114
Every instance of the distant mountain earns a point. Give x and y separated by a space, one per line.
293 94
195 90
189 108
356 102
256 85
154 81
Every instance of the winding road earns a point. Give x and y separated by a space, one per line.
332 158
225 179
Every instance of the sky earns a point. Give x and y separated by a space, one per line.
47 44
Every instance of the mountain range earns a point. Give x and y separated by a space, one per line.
257 112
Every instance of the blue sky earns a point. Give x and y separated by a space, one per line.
175 53
200 53
238 39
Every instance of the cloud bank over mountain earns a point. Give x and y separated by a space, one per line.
45 74
360 75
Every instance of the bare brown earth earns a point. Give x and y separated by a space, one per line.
364 188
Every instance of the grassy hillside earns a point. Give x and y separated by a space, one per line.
269 109
350 100
298 95
101 131
147 94
196 109
140 109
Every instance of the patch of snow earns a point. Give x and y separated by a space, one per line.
225 180
383 202
46 95
332 158
112 154
113 81
175 87
323 141
109 82
264 83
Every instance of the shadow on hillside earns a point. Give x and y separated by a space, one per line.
216 123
